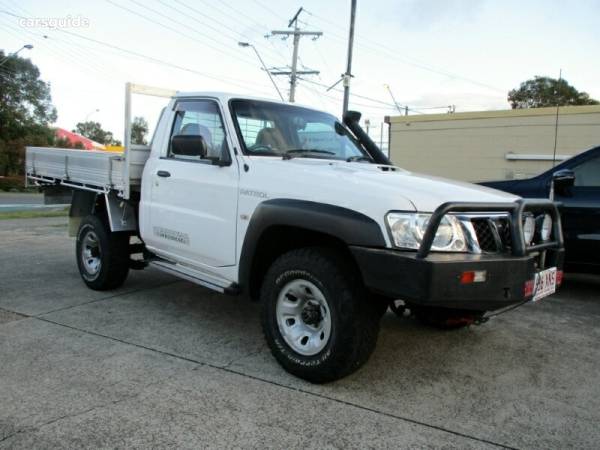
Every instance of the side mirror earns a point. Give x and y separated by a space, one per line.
189 145
563 180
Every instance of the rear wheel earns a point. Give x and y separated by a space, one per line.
316 316
102 256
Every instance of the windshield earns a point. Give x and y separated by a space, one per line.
274 129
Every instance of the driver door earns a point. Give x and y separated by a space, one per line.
194 201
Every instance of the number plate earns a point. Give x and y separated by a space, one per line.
545 284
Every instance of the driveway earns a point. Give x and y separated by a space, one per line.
164 363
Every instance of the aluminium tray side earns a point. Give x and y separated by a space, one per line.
100 169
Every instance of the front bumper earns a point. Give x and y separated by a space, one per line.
436 280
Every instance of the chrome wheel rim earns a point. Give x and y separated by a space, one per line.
91 253
303 317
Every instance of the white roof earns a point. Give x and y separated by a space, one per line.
224 97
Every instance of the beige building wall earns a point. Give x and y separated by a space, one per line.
491 145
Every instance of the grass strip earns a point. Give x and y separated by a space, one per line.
34 214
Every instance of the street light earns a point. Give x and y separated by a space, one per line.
26 46
90 113
247 44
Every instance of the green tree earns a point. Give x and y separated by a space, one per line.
139 130
93 130
542 92
26 112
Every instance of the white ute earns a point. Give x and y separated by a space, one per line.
302 212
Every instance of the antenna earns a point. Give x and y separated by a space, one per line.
398 107
556 122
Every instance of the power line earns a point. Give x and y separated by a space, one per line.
176 31
162 62
266 8
393 53
223 26
352 101
70 55
364 97
42 43
241 17
221 78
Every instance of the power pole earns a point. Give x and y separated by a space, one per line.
557 93
294 72
348 74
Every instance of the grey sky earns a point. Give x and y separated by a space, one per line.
431 52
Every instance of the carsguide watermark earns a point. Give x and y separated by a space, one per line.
55 22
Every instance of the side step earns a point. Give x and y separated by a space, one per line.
196 277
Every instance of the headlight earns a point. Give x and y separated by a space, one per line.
546 228
529 229
407 231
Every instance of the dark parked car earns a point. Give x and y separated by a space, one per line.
576 184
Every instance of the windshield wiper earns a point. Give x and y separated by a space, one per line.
358 158
299 152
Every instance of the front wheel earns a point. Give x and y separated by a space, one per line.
316 317
102 256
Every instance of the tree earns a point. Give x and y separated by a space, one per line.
139 129
542 92
26 111
94 131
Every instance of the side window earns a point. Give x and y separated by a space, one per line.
251 128
198 118
587 174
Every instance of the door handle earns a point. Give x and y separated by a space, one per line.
163 173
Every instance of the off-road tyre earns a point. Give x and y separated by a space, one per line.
354 319
112 254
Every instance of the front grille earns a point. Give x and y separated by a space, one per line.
485 235
493 234
503 226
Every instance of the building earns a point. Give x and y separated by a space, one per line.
75 138
492 145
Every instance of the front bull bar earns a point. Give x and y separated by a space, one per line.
516 210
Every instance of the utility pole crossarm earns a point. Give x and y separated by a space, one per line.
298 32
298 72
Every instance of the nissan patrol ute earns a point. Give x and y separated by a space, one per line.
303 213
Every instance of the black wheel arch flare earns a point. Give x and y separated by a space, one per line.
346 225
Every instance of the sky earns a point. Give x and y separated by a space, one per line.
431 53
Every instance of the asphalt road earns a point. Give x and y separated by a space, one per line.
23 198
164 363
